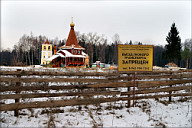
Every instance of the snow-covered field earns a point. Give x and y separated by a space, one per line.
147 113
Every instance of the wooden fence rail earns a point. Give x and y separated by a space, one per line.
73 102
83 88
55 73
29 80
139 84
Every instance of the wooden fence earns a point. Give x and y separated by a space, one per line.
33 89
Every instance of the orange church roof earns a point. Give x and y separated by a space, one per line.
72 39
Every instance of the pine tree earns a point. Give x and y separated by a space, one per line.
130 43
173 48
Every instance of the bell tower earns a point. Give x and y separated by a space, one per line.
46 52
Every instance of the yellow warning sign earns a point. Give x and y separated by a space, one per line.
135 57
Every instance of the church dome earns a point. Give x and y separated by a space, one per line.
72 24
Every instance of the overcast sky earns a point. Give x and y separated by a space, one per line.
145 21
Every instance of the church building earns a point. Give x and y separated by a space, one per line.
69 55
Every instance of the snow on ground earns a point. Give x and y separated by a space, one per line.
48 69
44 69
147 113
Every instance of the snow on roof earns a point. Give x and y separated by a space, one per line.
51 58
68 54
84 54
69 47
61 55
55 56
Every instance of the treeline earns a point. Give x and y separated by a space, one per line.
28 50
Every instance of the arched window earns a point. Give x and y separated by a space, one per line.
44 47
49 47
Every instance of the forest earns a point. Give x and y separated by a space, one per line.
28 49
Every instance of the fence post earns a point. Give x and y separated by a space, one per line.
170 92
134 84
128 89
16 112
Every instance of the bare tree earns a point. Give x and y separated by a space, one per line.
116 41
186 53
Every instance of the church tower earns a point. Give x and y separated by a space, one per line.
46 52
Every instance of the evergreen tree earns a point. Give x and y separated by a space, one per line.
130 43
173 48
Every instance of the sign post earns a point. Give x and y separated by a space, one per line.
134 58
